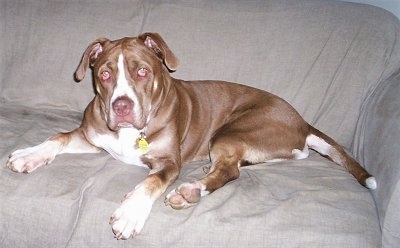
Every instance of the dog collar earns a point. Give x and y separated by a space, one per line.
142 143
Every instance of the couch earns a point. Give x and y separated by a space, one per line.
337 63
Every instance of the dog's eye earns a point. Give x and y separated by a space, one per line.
104 75
142 72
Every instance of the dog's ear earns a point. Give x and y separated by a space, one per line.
155 43
90 55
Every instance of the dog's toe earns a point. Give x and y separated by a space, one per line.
29 159
176 201
186 195
128 220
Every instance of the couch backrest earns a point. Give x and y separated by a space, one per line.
324 57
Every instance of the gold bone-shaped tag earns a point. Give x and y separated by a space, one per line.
142 143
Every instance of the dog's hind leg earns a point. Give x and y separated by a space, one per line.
234 146
226 157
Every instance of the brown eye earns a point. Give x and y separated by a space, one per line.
104 75
142 72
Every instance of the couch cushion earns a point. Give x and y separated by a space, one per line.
307 203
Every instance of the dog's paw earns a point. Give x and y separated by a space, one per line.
128 220
29 159
186 195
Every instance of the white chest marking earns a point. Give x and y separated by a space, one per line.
123 147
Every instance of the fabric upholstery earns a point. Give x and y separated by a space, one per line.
378 148
336 62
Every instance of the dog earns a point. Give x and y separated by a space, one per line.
143 116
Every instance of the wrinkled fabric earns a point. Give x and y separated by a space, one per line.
335 62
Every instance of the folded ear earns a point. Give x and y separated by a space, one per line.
156 43
90 55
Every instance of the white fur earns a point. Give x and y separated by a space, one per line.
203 191
318 144
128 220
155 85
121 147
371 183
297 154
31 158
162 142
123 87
275 160
301 154
255 156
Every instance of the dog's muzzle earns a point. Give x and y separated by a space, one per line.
122 108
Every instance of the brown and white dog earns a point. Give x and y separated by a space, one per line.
143 116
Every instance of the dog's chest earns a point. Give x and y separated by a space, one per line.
124 147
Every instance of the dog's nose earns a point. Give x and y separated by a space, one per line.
122 106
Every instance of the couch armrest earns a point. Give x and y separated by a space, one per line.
377 146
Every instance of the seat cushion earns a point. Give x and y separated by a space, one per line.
304 203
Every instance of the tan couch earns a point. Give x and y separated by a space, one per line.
337 63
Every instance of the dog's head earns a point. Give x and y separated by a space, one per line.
131 75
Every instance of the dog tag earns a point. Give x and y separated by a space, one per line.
142 143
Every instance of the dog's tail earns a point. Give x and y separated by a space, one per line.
326 146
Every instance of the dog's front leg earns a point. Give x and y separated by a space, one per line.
128 220
28 159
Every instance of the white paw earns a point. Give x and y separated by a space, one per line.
128 220
28 159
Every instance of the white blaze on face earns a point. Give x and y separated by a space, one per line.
124 88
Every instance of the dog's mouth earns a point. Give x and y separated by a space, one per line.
124 125
117 125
